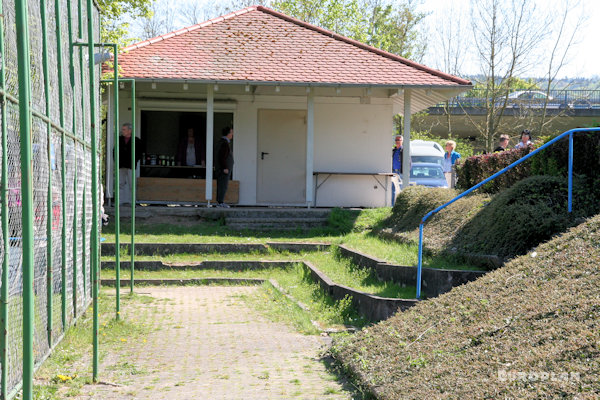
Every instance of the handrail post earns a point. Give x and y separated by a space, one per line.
133 167
570 201
420 265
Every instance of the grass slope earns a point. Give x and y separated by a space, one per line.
527 330
507 224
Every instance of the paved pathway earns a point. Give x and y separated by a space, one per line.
207 344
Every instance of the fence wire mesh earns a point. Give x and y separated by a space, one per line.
69 86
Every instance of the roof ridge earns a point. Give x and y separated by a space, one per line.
187 29
363 46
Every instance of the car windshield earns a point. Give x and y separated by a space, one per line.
428 159
426 172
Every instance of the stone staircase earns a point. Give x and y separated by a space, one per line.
239 218
276 219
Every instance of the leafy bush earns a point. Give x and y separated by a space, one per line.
472 170
519 218
414 202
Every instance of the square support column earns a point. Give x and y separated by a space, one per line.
406 136
310 139
210 118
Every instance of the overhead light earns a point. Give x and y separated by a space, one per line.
247 88
338 90
400 92
122 85
153 85
277 88
185 86
369 91
216 87
428 92
308 89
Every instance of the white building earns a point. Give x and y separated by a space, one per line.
312 111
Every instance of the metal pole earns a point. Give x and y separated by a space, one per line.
25 125
117 208
570 205
63 269
49 216
420 261
132 247
94 236
5 232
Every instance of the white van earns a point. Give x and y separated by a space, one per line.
423 151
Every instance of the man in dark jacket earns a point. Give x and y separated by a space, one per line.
125 178
224 166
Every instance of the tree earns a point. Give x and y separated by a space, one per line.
512 39
159 21
388 25
113 14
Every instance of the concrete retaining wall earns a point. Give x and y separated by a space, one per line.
434 281
372 307
161 249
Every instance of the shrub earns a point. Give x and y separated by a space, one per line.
519 218
472 170
414 202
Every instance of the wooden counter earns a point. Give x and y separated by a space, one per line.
181 190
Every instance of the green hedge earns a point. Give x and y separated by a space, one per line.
551 161
475 169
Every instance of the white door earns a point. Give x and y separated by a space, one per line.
281 157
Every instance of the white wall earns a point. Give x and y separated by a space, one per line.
348 137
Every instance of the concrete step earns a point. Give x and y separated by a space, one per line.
239 223
215 213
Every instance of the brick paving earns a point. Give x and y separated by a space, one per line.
207 344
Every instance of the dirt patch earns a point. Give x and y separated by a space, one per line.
207 344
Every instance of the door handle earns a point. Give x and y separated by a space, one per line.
262 155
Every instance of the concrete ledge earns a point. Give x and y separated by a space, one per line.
488 261
225 265
161 249
297 247
194 281
370 306
434 281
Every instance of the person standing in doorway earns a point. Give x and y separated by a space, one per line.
396 162
125 179
224 166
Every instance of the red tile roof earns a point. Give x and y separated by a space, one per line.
258 44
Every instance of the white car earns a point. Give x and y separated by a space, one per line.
424 151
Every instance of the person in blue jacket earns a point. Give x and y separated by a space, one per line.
450 157
396 162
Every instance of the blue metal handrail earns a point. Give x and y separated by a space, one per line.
502 171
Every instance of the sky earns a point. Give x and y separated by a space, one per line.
584 54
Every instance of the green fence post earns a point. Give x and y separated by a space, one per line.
116 194
133 165
94 236
25 125
49 216
5 233
63 269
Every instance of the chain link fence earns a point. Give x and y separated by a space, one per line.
61 152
